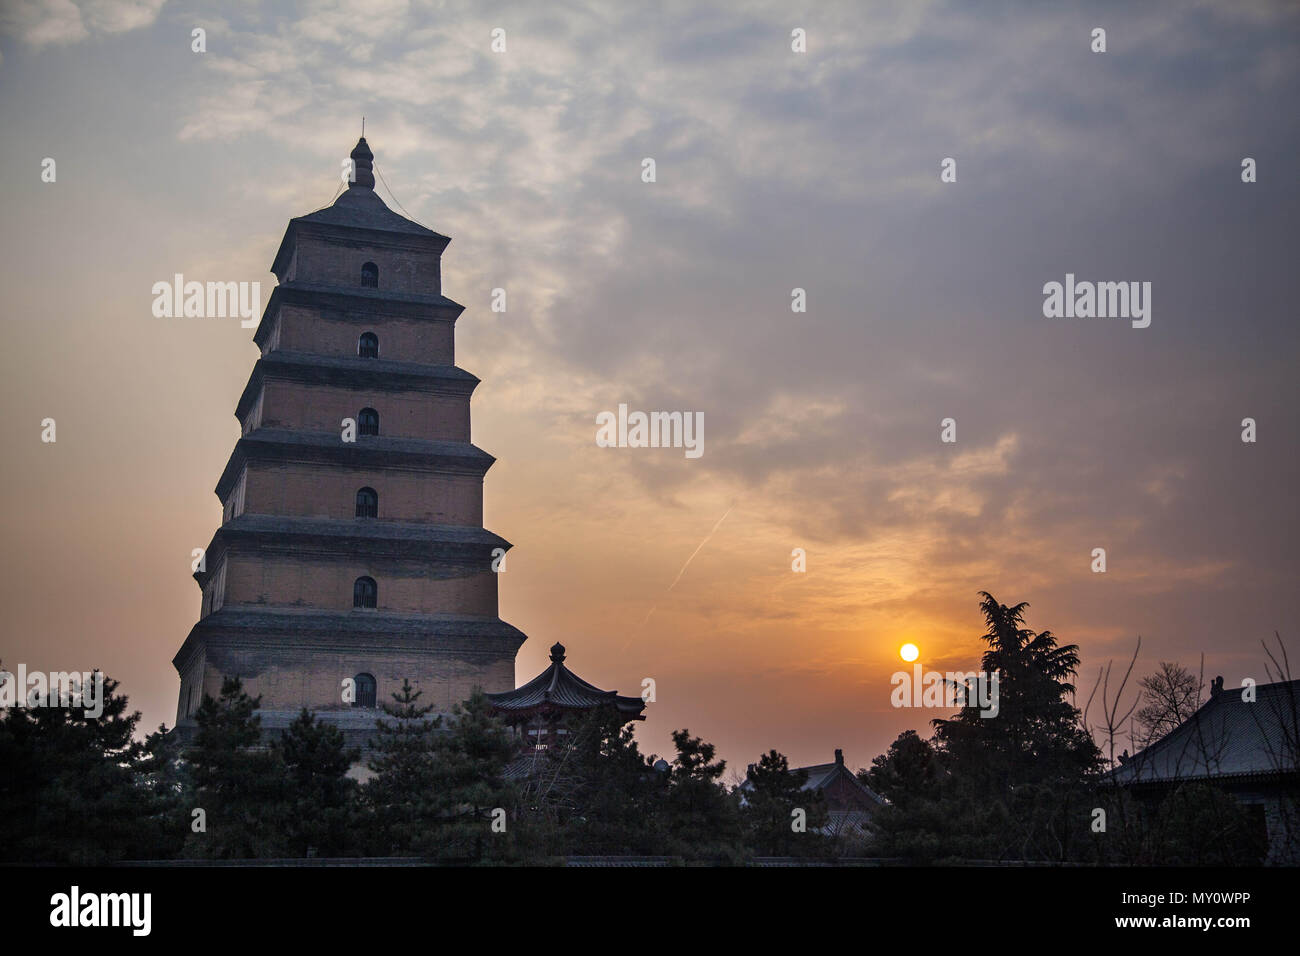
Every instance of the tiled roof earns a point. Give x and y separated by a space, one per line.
822 775
363 208
559 689
1227 737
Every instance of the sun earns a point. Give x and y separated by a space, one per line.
909 652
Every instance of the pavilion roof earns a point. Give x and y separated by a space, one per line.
558 690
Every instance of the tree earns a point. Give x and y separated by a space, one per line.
322 813
1029 765
773 794
702 820
1168 698
909 771
470 764
240 785
69 791
402 793
593 791
161 772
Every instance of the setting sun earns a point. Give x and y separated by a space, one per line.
909 652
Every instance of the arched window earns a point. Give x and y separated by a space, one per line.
364 593
370 276
365 690
368 345
367 503
368 421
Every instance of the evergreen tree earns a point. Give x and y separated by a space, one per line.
596 789
241 785
322 796
774 793
470 761
907 772
1010 786
403 793
701 819
162 773
69 791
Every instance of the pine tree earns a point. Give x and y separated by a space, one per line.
163 775
774 793
701 819
619 796
403 793
68 791
323 797
469 764
240 785
1015 785
907 772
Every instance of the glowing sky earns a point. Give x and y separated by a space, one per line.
775 170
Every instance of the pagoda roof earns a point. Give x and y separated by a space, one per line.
362 208
359 207
557 690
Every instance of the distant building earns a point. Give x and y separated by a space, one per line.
1247 749
850 803
351 553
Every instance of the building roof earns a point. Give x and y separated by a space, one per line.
364 209
1227 737
822 776
359 207
557 690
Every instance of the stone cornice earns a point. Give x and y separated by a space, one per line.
365 304
351 631
351 372
368 451
457 549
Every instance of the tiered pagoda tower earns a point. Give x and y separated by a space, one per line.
352 552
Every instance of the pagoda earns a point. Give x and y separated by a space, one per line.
542 711
351 554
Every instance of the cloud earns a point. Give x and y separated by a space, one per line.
40 23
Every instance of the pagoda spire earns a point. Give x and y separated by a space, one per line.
363 160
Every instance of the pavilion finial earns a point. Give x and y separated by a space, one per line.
557 653
363 160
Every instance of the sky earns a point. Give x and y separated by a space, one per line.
774 170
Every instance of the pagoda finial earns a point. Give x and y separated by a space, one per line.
557 653
363 160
